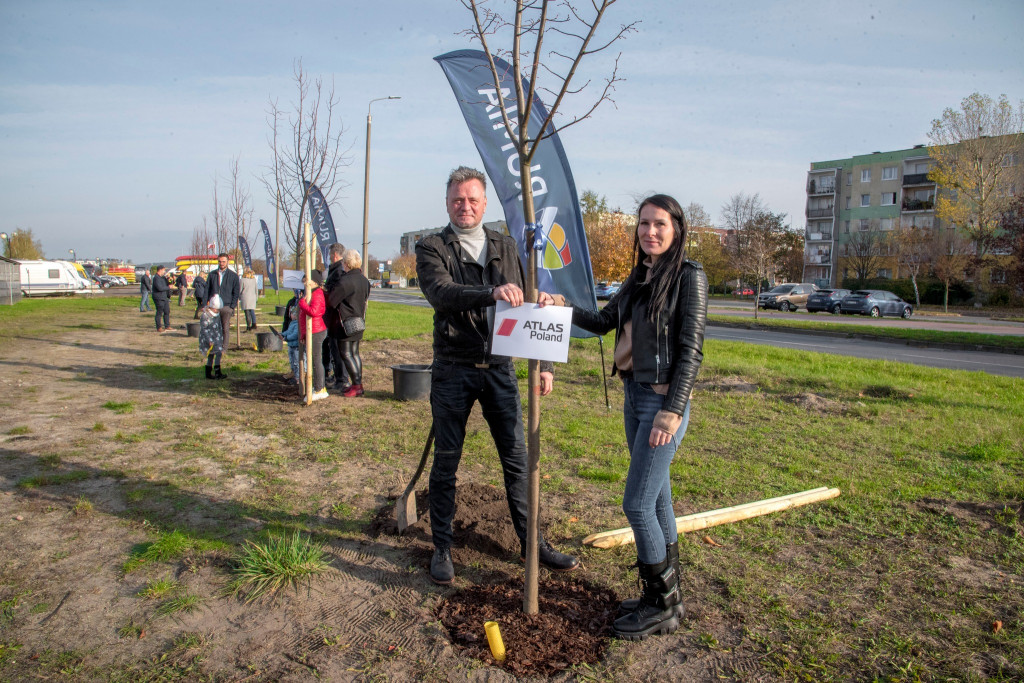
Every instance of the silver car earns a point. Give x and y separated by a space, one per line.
876 303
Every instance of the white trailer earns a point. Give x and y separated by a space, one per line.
49 278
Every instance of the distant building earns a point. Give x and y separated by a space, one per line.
409 239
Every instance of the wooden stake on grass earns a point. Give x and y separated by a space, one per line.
703 520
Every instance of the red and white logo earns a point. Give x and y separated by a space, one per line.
508 325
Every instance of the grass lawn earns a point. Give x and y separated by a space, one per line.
901 578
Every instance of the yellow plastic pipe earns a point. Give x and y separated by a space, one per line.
494 640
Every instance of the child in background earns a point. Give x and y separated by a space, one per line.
291 336
211 337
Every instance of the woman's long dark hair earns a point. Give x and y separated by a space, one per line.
669 266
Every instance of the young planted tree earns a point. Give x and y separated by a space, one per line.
912 245
306 142
951 256
549 42
756 245
979 162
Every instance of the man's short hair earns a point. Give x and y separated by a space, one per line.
463 174
159 268
221 255
337 249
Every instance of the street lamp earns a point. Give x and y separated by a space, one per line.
73 257
7 238
366 189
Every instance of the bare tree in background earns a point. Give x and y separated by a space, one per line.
911 244
306 141
201 239
239 208
697 216
865 253
951 256
222 233
549 68
756 246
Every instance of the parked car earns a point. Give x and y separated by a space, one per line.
108 280
605 290
826 300
786 297
876 303
743 291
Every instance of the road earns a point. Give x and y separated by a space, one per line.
1009 365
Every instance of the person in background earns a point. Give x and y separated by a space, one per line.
224 282
248 299
199 291
211 337
290 335
145 289
332 353
162 300
314 309
349 298
658 316
181 282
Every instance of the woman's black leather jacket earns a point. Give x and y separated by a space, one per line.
669 349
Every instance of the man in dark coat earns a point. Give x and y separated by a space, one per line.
181 282
199 290
162 300
463 272
332 354
145 289
224 282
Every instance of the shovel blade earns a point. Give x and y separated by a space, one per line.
405 512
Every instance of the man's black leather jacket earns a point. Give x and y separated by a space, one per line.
668 350
461 292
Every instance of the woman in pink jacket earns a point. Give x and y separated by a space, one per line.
314 310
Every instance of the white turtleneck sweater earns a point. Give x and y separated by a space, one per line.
474 242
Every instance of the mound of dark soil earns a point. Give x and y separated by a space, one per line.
267 388
571 628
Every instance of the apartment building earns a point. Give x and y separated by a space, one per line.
408 240
847 198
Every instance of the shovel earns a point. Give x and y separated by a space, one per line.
405 508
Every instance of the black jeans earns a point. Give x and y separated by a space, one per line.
454 388
317 362
332 358
163 310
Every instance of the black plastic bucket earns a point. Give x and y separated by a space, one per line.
279 310
267 341
193 328
412 382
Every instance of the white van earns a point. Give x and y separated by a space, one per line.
47 278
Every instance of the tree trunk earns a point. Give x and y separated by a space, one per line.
917 294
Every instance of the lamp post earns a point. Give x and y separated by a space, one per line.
7 238
366 188
73 257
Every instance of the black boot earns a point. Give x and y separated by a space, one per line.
549 558
672 553
656 613
217 374
209 371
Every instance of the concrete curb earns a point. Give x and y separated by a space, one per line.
916 343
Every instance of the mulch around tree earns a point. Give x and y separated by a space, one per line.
572 627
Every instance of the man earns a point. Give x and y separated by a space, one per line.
181 282
145 288
162 300
199 291
463 271
332 354
225 283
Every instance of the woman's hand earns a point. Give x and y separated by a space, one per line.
659 437
547 383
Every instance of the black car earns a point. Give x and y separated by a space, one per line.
876 303
826 300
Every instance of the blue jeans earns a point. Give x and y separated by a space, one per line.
294 353
144 303
454 388
647 501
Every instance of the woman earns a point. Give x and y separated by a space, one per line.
658 316
349 298
314 309
247 299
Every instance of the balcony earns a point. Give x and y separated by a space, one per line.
816 187
919 204
819 237
821 213
819 259
917 179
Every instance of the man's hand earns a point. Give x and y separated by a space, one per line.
509 292
547 383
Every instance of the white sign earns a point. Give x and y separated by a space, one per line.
529 331
292 279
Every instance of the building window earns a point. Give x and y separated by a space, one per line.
865 225
998 276
846 227
847 202
889 173
885 224
865 175
888 198
1010 159
849 179
921 167
865 200
884 273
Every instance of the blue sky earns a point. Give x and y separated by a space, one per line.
115 116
